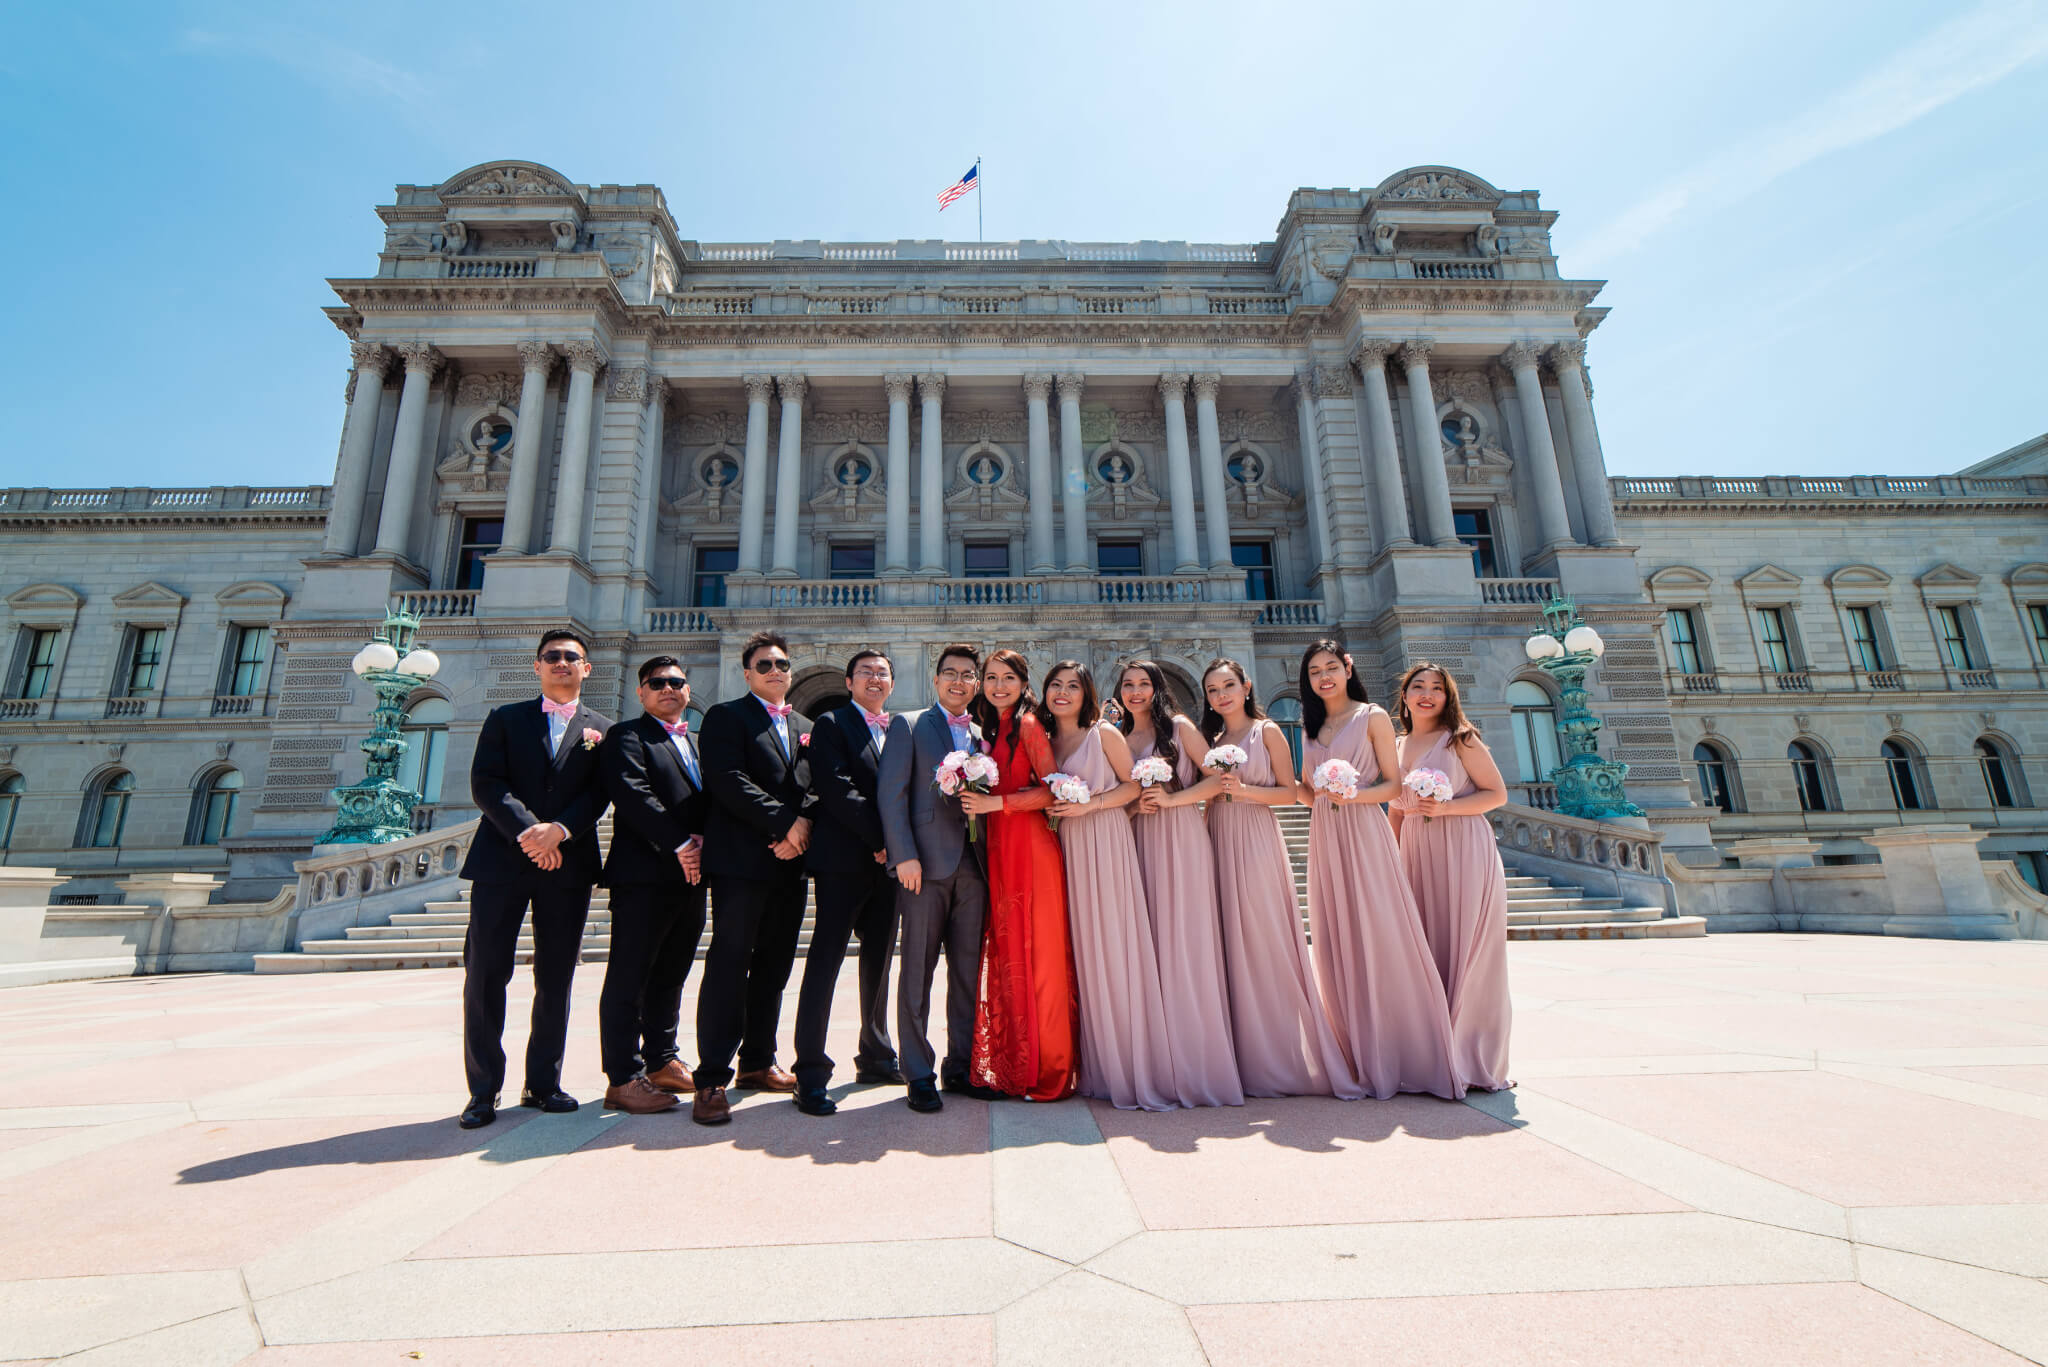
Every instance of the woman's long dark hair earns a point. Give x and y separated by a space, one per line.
1212 720
1313 713
1460 727
1091 701
1161 712
984 712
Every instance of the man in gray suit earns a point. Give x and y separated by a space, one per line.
945 893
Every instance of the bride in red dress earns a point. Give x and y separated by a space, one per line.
1025 1016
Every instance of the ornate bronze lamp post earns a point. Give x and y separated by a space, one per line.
1588 786
379 808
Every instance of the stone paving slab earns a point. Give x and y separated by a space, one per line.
1737 1149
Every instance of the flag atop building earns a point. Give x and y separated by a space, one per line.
970 181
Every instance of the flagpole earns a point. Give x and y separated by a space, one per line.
978 235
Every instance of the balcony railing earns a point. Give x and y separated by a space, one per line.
1150 588
679 621
1794 681
1885 678
1766 681
438 602
1296 612
233 704
491 268
1977 678
127 707
19 709
219 498
1541 796
987 592
1705 682
823 593
1800 487
1516 590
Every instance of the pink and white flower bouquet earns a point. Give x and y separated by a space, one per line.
1337 777
1429 783
1152 772
1226 758
1069 789
966 771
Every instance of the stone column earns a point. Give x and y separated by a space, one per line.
931 478
1553 524
1312 464
648 482
585 359
408 444
1180 478
1589 466
896 533
789 464
1073 475
1037 391
1376 426
1426 449
754 474
1215 496
352 473
522 489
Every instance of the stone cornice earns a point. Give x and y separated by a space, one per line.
51 519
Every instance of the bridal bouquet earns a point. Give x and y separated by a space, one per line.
1337 777
1068 789
966 771
1152 771
1226 758
1429 783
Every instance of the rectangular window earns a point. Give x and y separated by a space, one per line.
1685 641
252 655
1255 558
1955 640
1475 528
707 589
2037 618
41 654
1119 557
987 559
480 536
854 562
1863 639
1777 647
145 658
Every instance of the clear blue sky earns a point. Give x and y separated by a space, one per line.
1820 222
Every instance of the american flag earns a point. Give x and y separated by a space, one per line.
970 181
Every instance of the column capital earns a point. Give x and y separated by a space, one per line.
628 383
897 386
1206 386
1038 387
760 388
1173 385
536 356
584 355
1071 386
1415 352
1372 353
791 387
420 358
931 387
657 388
1567 356
370 358
1520 357
1502 380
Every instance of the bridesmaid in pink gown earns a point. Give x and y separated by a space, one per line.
1124 1054
1180 888
1372 961
1285 1046
1454 867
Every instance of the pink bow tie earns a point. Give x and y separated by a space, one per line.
878 720
550 708
675 728
779 710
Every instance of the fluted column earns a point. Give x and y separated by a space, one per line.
1038 424
1589 465
931 477
1553 524
1180 478
566 533
1073 475
522 489
1312 462
754 473
789 462
1376 424
1215 500
408 443
649 482
1426 449
896 532
352 474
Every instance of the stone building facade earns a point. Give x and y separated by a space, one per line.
1378 425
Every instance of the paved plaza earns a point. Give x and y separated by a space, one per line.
1742 1149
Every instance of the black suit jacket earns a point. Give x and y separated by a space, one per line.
515 783
756 794
655 807
846 826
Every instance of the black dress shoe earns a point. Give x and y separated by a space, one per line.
924 1098
480 1111
557 1102
815 1101
962 1087
890 1074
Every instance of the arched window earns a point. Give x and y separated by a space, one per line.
106 810
2003 778
10 803
1910 793
1717 777
213 807
1809 776
426 744
1286 714
1535 725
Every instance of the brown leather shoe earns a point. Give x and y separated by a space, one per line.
673 1077
769 1079
710 1106
638 1097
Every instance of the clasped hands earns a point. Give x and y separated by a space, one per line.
542 843
1407 803
690 854
792 845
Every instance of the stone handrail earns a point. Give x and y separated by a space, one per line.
437 602
1606 858
1150 588
364 884
2029 908
1801 487
218 498
680 621
1534 591
822 593
1289 612
987 592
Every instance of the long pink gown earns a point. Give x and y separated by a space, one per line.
1180 889
1124 1053
1372 961
1285 1046
1461 890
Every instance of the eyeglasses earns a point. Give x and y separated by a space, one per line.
872 674
560 657
767 667
663 681
958 675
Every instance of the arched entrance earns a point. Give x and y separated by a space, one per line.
817 691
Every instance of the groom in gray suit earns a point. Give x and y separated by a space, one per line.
945 893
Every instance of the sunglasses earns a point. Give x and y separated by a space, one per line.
664 681
560 657
765 667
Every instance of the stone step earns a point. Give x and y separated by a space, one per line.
1664 928
426 944
1576 915
413 922
1562 900
342 963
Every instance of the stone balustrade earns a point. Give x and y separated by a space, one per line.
1291 612
437 602
1003 592
1799 488
1606 858
1151 588
350 885
1737 682
1520 591
680 621
217 499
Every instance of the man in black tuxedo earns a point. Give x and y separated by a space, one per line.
855 893
655 782
535 781
755 834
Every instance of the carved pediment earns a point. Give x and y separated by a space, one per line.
1681 577
506 179
1949 576
2033 575
149 596
1768 579
45 600
1439 183
1859 577
252 595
